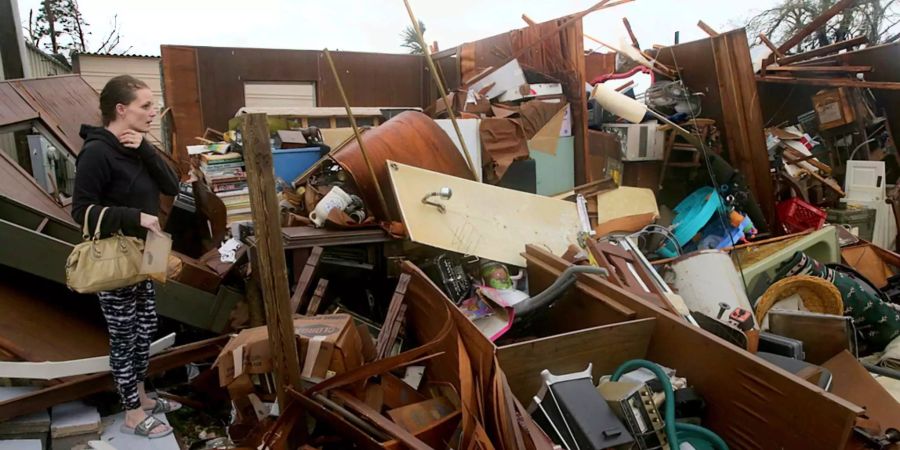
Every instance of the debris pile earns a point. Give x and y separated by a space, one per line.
671 251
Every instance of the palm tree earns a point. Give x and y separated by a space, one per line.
411 40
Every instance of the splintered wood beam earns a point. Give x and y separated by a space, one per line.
528 20
811 27
393 322
272 273
827 183
708 29
627 85
821 51
821 69
832 82
572 20
304 281
439 84
631 35
317 296
768 43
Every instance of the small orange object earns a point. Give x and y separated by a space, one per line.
736 218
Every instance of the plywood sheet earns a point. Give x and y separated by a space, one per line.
626 201
46 322
483 220
572 352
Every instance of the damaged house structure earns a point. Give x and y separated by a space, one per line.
513 243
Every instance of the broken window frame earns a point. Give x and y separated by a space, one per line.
37 127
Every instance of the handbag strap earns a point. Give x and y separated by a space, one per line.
99 220
84 226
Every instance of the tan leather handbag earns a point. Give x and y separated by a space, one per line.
104 264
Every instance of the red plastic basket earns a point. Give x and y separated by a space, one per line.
797 215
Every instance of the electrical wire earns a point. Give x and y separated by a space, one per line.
676 431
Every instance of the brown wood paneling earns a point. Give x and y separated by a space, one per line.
599 64
46 321
373 79
370 79
181 91
222 72
751 404
571 352
204 86
720 68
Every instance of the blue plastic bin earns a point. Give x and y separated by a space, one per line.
290 163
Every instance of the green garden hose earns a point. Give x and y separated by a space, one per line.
701 438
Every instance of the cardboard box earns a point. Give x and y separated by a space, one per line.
324 343
640 142
833 108
328 343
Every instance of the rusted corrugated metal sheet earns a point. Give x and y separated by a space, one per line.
13 108
64 103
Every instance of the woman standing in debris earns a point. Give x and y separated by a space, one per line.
119 169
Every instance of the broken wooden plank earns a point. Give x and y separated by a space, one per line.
800 157
768 43
393 322
49 370
306 278
631 35
272 273
708 29
81 387
821 69
821 51
827 183
571 20
317 296
832 82
396 431
817 23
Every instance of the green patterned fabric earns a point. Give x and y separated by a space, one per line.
876 318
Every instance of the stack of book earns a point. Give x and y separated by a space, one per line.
226 178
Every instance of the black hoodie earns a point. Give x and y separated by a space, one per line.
127 180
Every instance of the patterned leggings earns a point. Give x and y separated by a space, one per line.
131 320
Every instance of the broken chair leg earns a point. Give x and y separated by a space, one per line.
394 321
306 277
316 299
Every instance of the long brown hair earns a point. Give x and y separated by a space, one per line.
120 89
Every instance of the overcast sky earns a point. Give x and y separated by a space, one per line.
375 26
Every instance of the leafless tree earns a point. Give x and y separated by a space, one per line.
875 19
61 23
